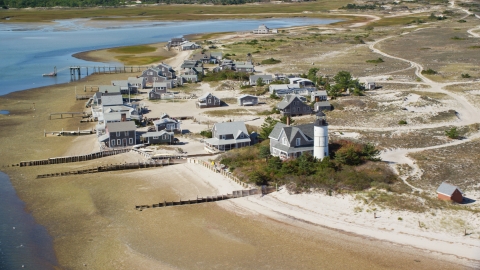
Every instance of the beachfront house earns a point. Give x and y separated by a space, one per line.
166 71
158 137
291 141
174 42
227 136
119 135
318 96
168 124
449 192
137 82
301 82
154 74
243 67
291 105
207 57
262 29
208 100
188 45
247 100
266 79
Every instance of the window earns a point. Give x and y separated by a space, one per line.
209 101
119 142
150 73
126 133
118 133
130 141
298 141
155 137
284 141
112 143
165 136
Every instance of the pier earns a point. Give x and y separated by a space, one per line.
76 71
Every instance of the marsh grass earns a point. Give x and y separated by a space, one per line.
139 60
133 49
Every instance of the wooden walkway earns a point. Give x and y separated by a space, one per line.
59 160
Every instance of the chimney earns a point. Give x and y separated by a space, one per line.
288 120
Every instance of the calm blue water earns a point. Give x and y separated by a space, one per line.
29 50
22 241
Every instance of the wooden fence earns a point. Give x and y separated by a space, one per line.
235 194
59 160
112 167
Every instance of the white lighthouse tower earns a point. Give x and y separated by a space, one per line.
320 131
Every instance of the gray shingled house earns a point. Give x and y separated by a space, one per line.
158 137
152 75
168 124
267 79
227 136
247 100
119 134
291 141
292 105
322 106
208 100
166 71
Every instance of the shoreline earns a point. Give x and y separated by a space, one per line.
102 214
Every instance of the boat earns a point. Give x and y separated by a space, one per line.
51 74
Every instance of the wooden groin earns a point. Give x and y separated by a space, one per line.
59 160
235 194
111 167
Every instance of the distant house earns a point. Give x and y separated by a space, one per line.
181 79
97 97
318 96
450 193
370 85
168 124
247 100
291 141
207 57
291 105
262 29
227 136
192 67
208 100
282 90
188 45
322 106
125 86
267 79
160 87
119 134
110 100
138 82
158 137
152 75
301 82
176 41
166 71
243 67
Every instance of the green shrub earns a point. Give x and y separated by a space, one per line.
206 133
402 122
429 72
270 61
452 133
376 61
466 75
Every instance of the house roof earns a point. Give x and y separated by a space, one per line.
216 54
121 126
447 189
121 83
170 68
286 101
282 86
156 134
112 100
113 116
289 150
264 77
243 65
215 141
201 56
292 131
159 84
230 128
319 93
277 129
136 80
244 96
204 96
109 89
164 120
322 104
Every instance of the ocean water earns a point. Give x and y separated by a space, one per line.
30 50
23 243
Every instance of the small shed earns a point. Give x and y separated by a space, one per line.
322 106
370 85
449 192
247 100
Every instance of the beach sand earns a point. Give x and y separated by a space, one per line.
93 221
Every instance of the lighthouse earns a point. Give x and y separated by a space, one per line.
320 131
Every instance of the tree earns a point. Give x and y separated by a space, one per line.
264 152
370 152
452 133
274 163
267 127
284 119
260 82
344 82
312 75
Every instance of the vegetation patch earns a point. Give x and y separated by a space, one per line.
375 61
270 61
139 60
220 113
429 72
133 49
